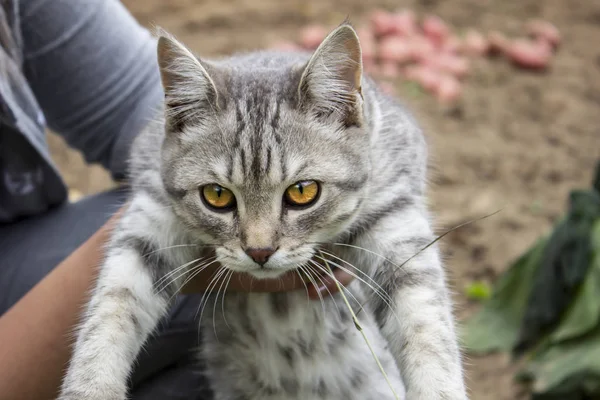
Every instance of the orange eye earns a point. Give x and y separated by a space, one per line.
218 197
302 193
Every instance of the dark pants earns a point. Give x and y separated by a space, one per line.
29 249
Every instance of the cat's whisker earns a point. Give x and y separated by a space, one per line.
362 332
431 243
228 277
206 295
319 276
379 290
158 284
304 270
298 272
387 299
354 275
198 269
218 278
176 270
156 207
358 270
367 250
216 300
170 247
314 283
193 273
211 286
212 280
320 267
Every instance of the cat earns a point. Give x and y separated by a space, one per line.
272 162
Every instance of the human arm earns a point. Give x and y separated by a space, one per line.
35 333
93 70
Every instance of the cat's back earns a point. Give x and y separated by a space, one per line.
398 148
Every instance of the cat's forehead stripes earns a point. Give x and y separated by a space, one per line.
257 144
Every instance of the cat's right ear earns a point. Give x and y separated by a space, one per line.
190 92
332 80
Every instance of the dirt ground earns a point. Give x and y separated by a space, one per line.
518 141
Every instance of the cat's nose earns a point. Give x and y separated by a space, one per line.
260 256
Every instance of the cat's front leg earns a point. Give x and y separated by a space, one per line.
123 311
417 321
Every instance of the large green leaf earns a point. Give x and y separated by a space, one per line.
550 300
564 266
570 370
496 325
567 365
583 315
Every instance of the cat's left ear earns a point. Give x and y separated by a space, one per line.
332 80
191 95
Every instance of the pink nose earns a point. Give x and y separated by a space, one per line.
260 256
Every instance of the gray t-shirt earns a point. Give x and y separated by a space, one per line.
84 68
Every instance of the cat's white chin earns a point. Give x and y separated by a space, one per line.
267 273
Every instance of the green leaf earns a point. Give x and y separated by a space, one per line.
496 325
570 370
564 266
478 291
566 366
536 207
596 181
554 286
413 88
583 314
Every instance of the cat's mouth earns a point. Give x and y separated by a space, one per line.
312 271
269 273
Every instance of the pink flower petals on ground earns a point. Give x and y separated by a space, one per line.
475 43
395 49
397 45
405 23
382 23
435 29
544 31
448 63
529 54
389 70
426 76
448 89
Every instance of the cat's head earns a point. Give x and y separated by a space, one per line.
266 154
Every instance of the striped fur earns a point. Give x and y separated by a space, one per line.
256 123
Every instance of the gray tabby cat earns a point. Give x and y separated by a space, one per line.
272 162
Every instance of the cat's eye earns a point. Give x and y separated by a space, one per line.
302 193
217 197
